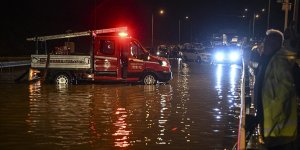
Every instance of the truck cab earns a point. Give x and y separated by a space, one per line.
125 59
112 57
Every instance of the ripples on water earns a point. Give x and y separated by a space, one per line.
197 110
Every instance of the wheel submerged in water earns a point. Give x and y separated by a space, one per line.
62 79
149 79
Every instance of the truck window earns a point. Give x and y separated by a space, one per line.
136 50
107 47
133 49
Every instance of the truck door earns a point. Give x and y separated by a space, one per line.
106 60
136 58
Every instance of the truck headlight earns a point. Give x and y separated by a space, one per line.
164 63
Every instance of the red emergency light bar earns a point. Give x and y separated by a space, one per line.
123 34
111 30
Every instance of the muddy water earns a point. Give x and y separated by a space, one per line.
198 109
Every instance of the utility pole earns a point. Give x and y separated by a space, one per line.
286 14
179 31
295 15
152 28
269 11
161 12
253 25
95 15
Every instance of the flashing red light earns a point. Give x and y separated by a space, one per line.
123 34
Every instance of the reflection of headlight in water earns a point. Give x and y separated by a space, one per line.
219 56
234 56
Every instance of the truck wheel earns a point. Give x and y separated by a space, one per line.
62 79
149 79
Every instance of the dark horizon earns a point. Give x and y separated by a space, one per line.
36 18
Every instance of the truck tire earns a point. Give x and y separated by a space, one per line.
62 78
149 79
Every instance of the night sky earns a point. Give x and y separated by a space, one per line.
21 19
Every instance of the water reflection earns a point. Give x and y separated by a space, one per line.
94 116
58 117
227 83
122 133
182 107
194 110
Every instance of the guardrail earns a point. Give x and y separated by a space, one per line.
10 64
241 144
247 113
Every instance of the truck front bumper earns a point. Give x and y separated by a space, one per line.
164 76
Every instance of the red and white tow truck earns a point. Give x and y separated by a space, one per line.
111 56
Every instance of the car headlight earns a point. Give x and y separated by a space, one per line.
219 56
163 63
234 56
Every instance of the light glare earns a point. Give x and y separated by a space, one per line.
123 34
234 56
219 56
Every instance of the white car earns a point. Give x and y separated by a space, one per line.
196 55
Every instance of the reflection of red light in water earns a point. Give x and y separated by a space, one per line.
94 130
121 134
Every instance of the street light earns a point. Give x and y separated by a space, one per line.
255 16
161 12
179 28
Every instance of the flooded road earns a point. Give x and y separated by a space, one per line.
198 109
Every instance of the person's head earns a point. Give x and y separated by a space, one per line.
273 41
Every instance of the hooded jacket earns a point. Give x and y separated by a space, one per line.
279 100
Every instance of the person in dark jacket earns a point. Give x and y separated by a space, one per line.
275 94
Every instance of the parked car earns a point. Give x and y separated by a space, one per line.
196 55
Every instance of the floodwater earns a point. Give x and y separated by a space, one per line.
198 109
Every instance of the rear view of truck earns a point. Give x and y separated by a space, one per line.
65 58
61 69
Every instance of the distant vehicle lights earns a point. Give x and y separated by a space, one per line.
219 56
234 56
227 57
